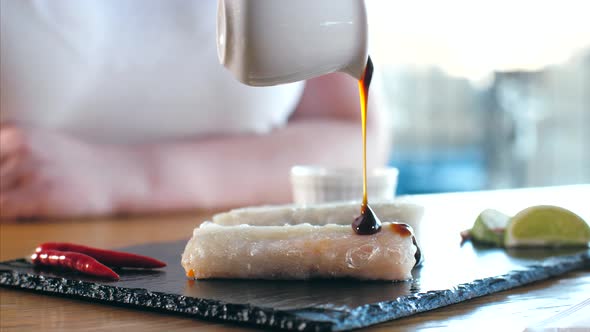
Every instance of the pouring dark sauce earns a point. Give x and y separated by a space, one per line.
367 223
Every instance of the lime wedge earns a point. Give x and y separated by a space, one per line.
489 227
546 225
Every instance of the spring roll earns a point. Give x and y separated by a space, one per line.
341 213
301 251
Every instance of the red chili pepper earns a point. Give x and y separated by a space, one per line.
107 257
73 261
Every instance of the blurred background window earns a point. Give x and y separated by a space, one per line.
485 94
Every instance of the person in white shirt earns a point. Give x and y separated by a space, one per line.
118 107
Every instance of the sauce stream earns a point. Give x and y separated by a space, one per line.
367 223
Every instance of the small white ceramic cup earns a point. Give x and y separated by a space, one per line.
270 42
312 185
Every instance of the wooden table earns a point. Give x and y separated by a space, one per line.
507 311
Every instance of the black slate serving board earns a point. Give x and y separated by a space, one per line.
450 274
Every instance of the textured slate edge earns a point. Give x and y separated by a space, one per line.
371 314
309 319
202 308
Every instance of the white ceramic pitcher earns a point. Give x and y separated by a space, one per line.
270 42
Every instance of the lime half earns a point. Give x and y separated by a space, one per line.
546 225
489 227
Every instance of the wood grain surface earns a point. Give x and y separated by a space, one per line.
507 311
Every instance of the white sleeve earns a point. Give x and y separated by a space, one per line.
127 71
